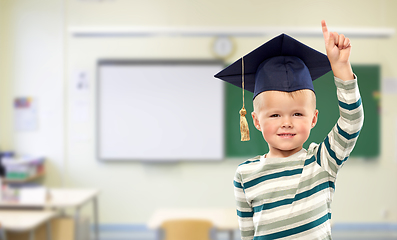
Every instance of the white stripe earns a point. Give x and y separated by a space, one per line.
310 171
246 224
239 194
348 96
347 126
249 166
291 215
293 225
272 186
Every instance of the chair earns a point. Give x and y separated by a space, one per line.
187 229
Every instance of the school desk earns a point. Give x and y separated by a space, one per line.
25 220
63 198
222 219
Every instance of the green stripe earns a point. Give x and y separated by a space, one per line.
343 143
244 214
345 86
332 153
295 230
319 154
310 160
296 219
351 117
291 191
271 167
297 197
250 161
333 167
285 173
330 164
345 134
350 106
242 204
237 184
248 233
276 194
314 179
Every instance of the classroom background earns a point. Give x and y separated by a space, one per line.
40 56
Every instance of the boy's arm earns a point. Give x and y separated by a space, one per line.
333 152
245 212
338 49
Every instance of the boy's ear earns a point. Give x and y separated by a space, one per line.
315 118
256 121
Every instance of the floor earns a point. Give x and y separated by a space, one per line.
339 232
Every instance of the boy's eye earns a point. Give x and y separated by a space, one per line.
275 115
298 114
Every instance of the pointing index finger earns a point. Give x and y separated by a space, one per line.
325 31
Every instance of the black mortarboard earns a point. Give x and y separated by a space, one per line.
282 64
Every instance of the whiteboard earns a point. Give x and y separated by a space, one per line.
160 110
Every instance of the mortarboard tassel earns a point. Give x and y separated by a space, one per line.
245 133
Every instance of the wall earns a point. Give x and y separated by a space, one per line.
33 67
130 192
4 74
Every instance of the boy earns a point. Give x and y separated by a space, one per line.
286 194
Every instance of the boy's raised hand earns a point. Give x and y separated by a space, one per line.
338 49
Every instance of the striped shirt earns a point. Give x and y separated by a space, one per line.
289 198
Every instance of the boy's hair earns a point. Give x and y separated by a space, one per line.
258 102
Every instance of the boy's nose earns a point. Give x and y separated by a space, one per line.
287 123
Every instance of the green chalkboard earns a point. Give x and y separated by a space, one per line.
327 104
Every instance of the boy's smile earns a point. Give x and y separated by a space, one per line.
286 135
285 120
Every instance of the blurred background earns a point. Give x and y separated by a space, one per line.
47 46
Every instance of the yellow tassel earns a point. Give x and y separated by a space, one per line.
245 133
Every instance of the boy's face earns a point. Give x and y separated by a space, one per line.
284 120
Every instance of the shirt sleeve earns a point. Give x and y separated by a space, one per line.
337 146
245 212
